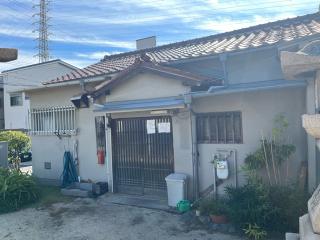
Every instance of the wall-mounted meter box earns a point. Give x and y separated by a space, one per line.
222 169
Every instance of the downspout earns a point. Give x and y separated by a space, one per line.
82 86
194 150
223 60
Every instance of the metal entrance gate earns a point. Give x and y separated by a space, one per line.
142 152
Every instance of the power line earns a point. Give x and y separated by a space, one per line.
43 48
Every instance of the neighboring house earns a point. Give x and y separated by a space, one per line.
15 104
171 108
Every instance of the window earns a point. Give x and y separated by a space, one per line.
222 127
16 100
53 120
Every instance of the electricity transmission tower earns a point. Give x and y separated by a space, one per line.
42 30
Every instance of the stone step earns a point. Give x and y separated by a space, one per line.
306 230
292 236
74 192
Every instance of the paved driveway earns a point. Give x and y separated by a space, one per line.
84 219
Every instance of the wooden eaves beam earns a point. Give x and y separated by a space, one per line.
8 54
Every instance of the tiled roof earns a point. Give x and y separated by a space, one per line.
252 37
144 64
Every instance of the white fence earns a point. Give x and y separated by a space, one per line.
52 120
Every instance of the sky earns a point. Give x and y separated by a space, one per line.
83 31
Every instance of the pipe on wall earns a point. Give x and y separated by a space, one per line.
195 153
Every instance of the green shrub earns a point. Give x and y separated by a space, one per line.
249 204
262 205
17 189
271 208
214 206
291 203
19 143
255 232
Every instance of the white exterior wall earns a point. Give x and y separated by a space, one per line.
147 85
51 148
54 148
258 111
182 144
16 117
253 67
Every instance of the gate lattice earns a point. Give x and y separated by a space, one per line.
142 150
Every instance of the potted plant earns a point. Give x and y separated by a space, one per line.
217 210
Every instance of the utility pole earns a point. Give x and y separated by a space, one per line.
42 30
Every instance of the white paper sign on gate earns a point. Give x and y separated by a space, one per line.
164 127
151 126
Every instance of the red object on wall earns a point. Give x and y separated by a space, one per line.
101 156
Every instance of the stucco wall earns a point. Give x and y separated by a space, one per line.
258 112
246 67
146 85
59 96
16 117
51 148
207 67
182 144
88 167
254 66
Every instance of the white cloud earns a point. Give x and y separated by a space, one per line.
129 19
16 31
78 62
27 58
96 55
226 24
58 37
24 59
254 6
92 41
14 14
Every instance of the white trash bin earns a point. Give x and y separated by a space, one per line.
177 188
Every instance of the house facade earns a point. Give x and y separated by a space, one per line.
133 118
16 105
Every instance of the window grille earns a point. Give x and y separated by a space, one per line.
53 120
16 99
219 128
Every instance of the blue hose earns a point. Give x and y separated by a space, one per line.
69 174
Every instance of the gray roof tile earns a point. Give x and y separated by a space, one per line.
252 37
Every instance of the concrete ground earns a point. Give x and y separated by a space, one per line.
96 219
